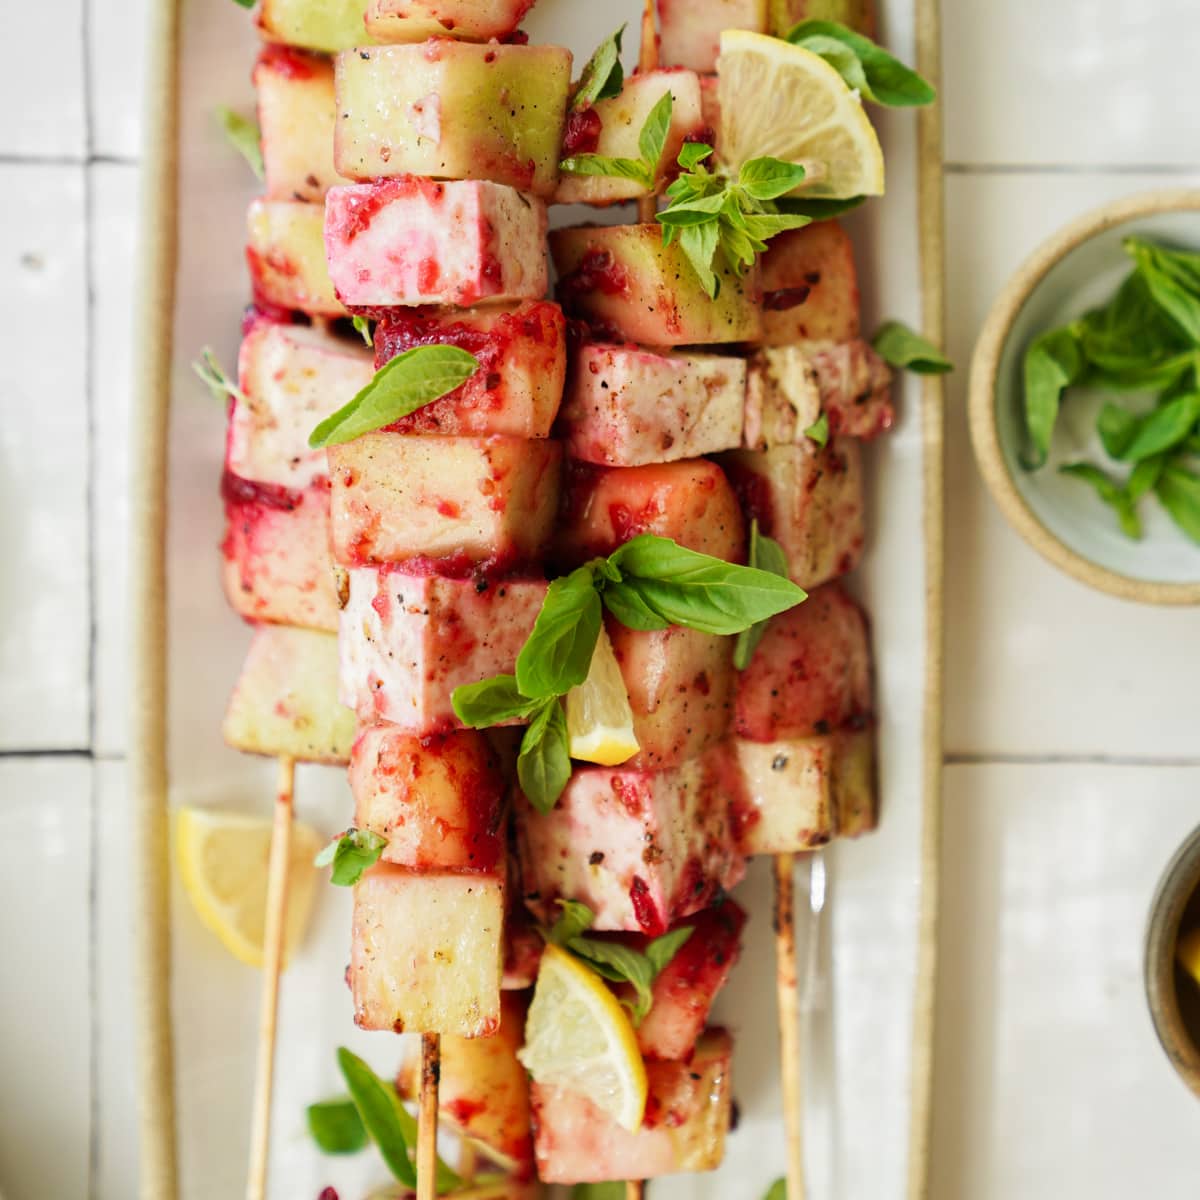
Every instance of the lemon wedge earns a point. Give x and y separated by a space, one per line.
782 101
599 718
223 860
578 1037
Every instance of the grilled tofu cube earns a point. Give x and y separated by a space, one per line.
285 702
483 1092
456 504
412 241
453 110
643 849
680 683
612 127
468 20
810 674
296 118
276 561
855 794
425 956
789 387
522 353
857 14
438 800
688 1110
781 794
327 27
810 286
407 641
285 251
292 377
690 30
691 502
685 990
626 407
622 278
809 499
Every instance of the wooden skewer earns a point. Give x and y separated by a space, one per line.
634 1190
468 1161
427 1116
789 1022
276 923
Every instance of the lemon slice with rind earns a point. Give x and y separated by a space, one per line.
599 718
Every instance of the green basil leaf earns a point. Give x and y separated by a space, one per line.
1163 429
598 1191
243 135
694 212
692 154
1052 364
378 1107
902 347
662 949
764 226
818 431
1144 477
653 138
1131 344
574 919
777 1190
1173 279
544 764
208 368
766 554
1116 427
363 328
245 3
492 702
351 855
769 178
1178 490
619 962
558 653
603 76
408 382
699 245
1110 493
626 604
818 210
336 1126
599 164
699 591
889 81
842 59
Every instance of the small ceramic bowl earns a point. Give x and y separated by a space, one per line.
1174 999
1077 269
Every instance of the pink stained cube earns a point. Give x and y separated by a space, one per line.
810 286
285 253
407 641
411 241
690 30
470 20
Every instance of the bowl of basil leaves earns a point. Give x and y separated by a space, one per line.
1085 398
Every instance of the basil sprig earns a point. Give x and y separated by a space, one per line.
243 135
603 76
902 347
651 141
208 368
611 1190
777 1190
336 1126
865 66
351 854
766 554
401 386
648 583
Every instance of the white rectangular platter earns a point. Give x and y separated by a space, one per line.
862 1092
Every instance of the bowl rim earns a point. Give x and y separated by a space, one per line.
982 399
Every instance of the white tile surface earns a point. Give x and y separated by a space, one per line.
113 260
117 59
1071 81
43 461
1049 1082
1037 663
45 827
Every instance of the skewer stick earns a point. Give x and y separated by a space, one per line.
277 896
468 1161
647 61
427 1116
634 1190
789 1022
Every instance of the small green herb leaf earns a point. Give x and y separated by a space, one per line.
877 75
544 763
1116 427
558 653
1052 364
598 1191
770 178
378 1107
767 555
691 154
351 854
1163 429
663 949
603 76
494 701
245 3
902 347
209 369
1110 492
599 164
406 383
653 137
575 919
1179 491
1144 477
777 1190
363 328
816 209
818 431
622 964
1173 279
243 135
336 1126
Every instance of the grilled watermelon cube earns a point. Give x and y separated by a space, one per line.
285 702
296 118
455 504
627 407
614 126
285 251
412 241
276 561
643 849
622 278
292 377
690 30
327 27
453 110
407 641
809 499
438 800
691 502
468 20
426 952
857 14
810 286
522 353
688 1111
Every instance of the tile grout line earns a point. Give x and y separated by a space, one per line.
1011 168
68 160
1051 759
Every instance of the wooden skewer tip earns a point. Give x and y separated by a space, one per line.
789 1022
427 1116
